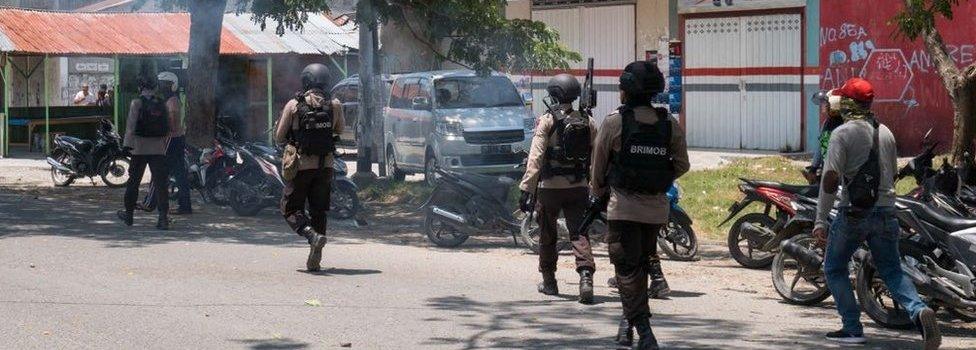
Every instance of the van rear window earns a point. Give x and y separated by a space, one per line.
475 92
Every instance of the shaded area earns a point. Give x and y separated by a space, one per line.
272 344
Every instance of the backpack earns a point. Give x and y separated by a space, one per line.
314 135
572 149
152 120
644 164
862 188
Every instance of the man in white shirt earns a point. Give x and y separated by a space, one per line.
84 97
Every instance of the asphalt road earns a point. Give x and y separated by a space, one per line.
72 277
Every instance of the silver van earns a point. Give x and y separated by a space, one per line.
456 120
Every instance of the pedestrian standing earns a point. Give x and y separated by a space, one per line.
861 158
309 127
146 135
638 153
556 172
176 151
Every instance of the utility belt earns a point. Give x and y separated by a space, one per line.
578 172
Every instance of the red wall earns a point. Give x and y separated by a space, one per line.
856 40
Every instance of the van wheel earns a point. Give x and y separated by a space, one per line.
430 171
391 167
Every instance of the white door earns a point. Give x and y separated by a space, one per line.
743 82
605 33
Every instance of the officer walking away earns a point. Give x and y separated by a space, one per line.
638 153
862 157
557 172
176 152
146 135
309 127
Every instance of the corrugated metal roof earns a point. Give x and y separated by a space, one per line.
39 32
319 35
60 33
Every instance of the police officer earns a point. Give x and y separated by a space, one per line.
638 153
309 126
557 170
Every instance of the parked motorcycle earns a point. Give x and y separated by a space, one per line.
466 204
73 158
755 238
940 259
256 184
677 239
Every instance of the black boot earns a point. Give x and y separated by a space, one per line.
659 286
625 333
163 222
586 287
315 242
647 340
548 285
125 216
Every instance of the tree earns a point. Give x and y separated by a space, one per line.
918 20
477 34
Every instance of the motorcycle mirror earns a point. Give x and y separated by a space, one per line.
819 98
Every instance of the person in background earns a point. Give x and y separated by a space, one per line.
175 153
638 153
147 131
102 99
309 127
824 99
84 97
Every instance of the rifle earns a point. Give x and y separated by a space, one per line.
588 95
596 207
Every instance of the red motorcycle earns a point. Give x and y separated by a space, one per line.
755 238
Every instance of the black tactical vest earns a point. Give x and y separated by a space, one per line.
644 164
314 135
570 156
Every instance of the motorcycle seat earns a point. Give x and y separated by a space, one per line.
82 145
803 190
493 185
936 217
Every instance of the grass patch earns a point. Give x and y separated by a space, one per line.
391 192
709 193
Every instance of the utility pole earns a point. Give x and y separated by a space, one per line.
367 102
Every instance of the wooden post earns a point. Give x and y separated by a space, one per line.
116 95
270 68
5 145
47 111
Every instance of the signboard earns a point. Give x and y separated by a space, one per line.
856 40
732 5
675 53
90 65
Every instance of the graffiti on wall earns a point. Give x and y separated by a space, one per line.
910 97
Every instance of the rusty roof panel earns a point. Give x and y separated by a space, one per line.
38 32
319 35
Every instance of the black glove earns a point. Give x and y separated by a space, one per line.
525 202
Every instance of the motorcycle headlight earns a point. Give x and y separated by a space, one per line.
449 127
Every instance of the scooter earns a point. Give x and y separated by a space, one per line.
73 158
463 204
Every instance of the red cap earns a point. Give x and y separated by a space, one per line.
856 89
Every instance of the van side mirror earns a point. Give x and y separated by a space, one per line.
420 102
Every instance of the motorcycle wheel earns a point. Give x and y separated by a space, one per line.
749 256
242 203
529 233
873 295
788 274
116 172
441 233
966 315
344 203
678 241
60 178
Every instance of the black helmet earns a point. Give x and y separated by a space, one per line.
564 88
641 78
315 76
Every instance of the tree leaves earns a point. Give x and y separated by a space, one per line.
919 16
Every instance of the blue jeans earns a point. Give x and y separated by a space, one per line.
175 159
880 229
